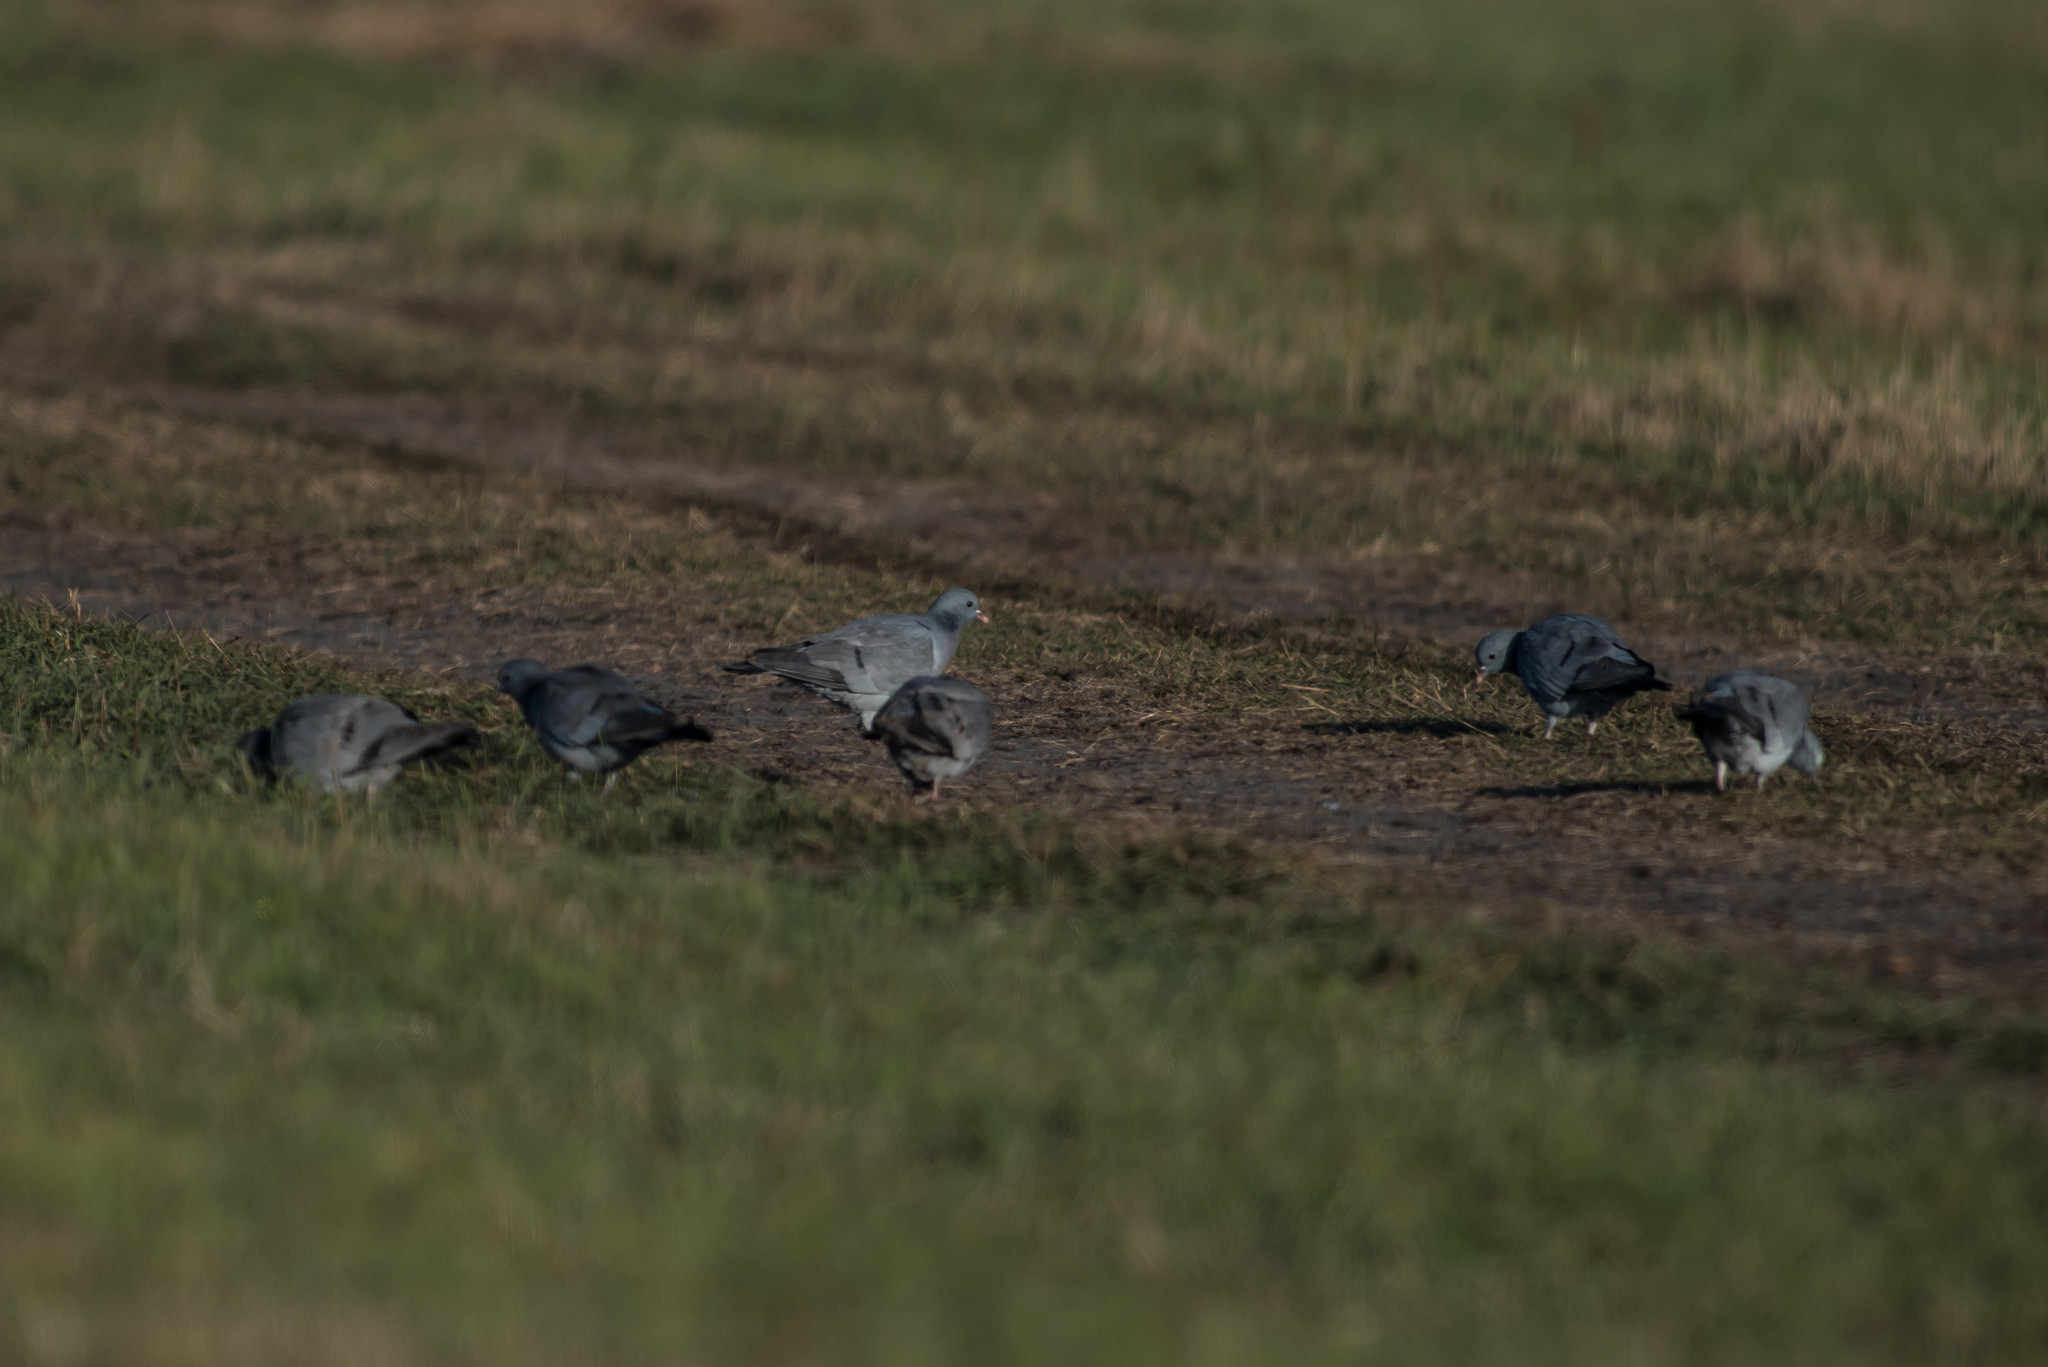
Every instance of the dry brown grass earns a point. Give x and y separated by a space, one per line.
499 34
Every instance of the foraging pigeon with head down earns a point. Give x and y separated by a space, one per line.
936 729
1754 724
862 663
346 742
590 718
1572 665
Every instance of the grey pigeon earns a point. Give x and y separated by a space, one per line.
1754 724
346 742
1572 665
862 663
936 729
590 718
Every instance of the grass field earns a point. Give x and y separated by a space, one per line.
1270 994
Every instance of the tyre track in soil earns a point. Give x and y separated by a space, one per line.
1411 799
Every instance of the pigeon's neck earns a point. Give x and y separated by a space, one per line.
949 629
1511 663
522 698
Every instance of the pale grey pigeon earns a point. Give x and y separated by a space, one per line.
1754 724
346 742
1572 665
590 718
936 729
862 663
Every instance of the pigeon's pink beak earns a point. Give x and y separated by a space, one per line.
1482 677
981 616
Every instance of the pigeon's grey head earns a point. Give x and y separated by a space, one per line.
255 748
518 677
1496 654
956 608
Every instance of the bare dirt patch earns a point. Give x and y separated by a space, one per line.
994 535
1420 800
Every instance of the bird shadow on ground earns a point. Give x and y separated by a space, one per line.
1441 727
1562 790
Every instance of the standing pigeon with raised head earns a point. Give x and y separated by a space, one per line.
346 742
860 665
936 729
1754 724
591 719
1572 665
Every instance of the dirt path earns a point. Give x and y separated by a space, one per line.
1414 798
979 533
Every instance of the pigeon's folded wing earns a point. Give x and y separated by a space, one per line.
808 663
1723 712
1618 668
877 661
948 718
585 705
410 741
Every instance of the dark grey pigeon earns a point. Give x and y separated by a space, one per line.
346 742
862 663
1754 724
936 729
1572 665
590 718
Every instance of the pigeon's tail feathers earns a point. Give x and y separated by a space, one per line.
255 748
743 667
657 733
404 743
792 663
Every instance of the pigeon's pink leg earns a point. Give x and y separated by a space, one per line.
935 792
1720 775
1552 726
610 779
1759 782
1592 725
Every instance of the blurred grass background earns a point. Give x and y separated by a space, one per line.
1733 311
1293 274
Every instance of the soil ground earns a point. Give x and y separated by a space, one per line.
1413 798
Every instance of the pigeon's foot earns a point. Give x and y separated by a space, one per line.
1550 729
610 779
1592 725
1720 775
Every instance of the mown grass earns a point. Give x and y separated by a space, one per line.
446 1078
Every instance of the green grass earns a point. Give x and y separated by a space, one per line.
489 1073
